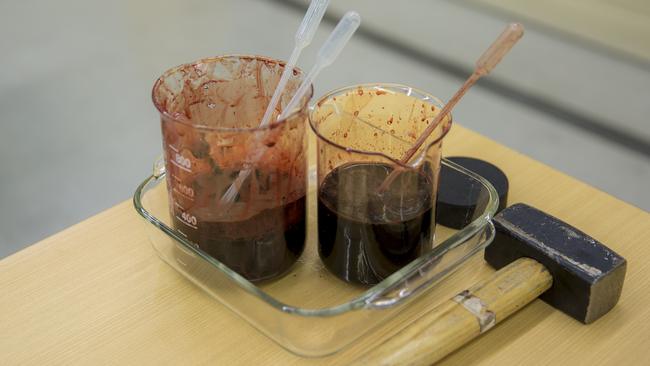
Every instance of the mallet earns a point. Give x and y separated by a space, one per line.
537 256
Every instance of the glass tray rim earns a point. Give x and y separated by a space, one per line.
360 301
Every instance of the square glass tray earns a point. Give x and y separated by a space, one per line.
309 311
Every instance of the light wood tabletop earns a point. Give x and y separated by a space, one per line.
96 293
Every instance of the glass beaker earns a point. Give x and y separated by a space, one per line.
210 113
366 233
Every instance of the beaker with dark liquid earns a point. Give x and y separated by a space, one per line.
366 233
210 116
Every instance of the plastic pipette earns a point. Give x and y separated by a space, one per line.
303 37
328 52
325 57
486 63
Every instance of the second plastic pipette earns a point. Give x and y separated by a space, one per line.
326 55
303 37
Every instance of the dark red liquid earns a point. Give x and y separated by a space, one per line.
259 248
364 237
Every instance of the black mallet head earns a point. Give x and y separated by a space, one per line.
587 276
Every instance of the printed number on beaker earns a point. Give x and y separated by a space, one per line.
183 161
188 218
185 190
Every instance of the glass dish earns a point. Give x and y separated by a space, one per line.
309 311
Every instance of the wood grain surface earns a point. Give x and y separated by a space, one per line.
96 293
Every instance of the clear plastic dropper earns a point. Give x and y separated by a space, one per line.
485 64
328 52
303 38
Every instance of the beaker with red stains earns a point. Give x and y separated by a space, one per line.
210 114
376 213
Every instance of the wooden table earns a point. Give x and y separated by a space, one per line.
96 293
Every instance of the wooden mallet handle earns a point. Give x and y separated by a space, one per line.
464 317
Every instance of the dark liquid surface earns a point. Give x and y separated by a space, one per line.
364 237
259 248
